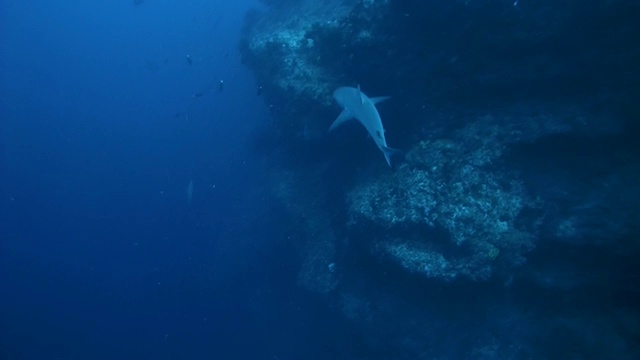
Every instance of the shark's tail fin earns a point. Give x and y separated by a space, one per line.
388 153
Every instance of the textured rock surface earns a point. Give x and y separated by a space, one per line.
519 125
446 212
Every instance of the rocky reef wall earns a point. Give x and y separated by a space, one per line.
518 121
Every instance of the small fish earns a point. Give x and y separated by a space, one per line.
190 191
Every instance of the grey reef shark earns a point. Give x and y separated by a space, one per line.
356 105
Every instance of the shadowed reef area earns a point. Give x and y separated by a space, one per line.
509 228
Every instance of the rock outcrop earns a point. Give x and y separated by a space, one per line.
519 125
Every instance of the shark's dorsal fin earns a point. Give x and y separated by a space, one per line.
344 116
360 96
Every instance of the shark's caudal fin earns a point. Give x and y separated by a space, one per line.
388 153
344 116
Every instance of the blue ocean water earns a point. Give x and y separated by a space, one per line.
168 188
104 124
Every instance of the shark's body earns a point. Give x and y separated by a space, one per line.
356 104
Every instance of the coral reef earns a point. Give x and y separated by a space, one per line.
447 184
519 121
318 243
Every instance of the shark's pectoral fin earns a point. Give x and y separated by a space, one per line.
378 99
344 116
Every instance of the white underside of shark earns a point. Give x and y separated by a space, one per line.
356 105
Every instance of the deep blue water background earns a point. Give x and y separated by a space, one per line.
103 125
